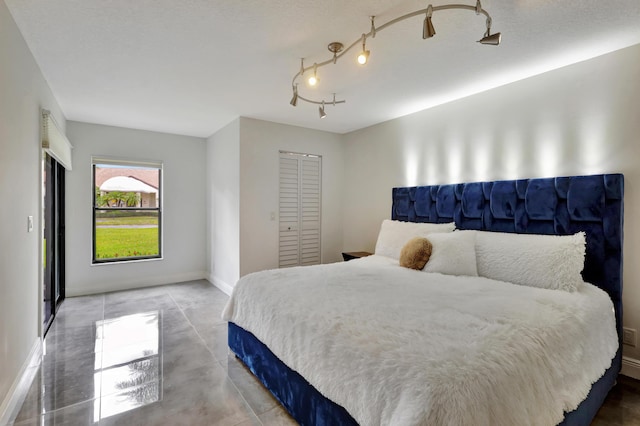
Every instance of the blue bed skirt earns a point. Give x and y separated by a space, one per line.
309 407
302 401
587 410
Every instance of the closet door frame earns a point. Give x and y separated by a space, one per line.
53 240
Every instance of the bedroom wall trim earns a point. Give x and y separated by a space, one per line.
630 367
110 286
223 286
18 392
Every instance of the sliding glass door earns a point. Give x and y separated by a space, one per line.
53 244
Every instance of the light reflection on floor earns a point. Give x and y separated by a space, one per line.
128 363
156 356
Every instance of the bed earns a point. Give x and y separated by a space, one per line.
479 384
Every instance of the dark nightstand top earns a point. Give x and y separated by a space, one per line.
355 254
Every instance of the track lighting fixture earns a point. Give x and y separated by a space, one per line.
339 50
363 57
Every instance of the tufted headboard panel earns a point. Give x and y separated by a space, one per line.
556 206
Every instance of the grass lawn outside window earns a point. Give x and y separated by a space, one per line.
126 237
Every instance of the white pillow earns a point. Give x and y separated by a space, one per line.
544 261
394 235
453 253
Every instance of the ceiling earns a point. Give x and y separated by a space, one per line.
191 66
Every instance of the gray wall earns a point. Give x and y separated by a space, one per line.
260 144
223 206
242 189
23 92
183 216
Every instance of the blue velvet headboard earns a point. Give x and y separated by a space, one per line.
557 206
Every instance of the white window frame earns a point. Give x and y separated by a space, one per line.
126 162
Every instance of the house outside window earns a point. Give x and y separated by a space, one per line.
127 210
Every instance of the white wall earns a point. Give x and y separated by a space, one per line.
223 206
183 214
581 119
23 92
260 144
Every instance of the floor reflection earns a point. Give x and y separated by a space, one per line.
177 357
128 363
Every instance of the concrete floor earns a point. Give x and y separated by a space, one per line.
158 356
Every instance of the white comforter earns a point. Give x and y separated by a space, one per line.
395 346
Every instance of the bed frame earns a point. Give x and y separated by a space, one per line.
555 206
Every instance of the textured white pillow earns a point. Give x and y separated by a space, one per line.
544 261
394 235
453 253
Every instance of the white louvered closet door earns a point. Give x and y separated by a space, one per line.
300 209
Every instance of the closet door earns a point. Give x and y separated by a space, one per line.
289 211
300 209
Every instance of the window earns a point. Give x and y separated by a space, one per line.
127 210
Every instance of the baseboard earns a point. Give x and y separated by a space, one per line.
118 285
226 288
18 392
631 367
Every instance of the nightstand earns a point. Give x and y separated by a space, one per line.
355 255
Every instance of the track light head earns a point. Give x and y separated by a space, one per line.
294 99
363 57
313 80
488 38
428 31
493 39
321 110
